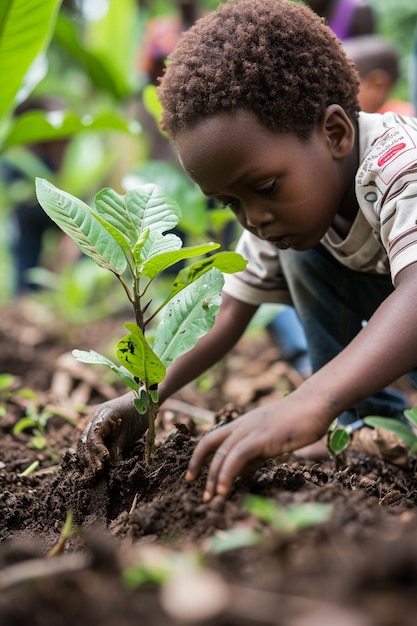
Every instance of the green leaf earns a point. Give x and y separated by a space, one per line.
339 440
188 316
155 244
195 216
37 126
411 414
25 30
308 514
402 431
141 402
135 576
138 357
146 207
290 519
23 424
151 102
80 223
226 262
96 358
234 539
154 395
6 381
161 262
38 442
113 38
99 72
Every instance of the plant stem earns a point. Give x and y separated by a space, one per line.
150 435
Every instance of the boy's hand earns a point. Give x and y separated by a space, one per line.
114 426
259 435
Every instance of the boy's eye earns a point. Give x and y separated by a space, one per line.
268 188
227 204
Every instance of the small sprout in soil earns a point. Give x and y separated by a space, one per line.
36 419
66 533
234 539
8 389
283 521
6 386
158 565
129 236
289 520
29 470
338 440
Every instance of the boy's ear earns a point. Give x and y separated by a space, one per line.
339 131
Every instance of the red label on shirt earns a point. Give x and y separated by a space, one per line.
391 152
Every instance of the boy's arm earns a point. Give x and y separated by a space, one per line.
116 424
382 352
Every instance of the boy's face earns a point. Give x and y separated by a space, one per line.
281 188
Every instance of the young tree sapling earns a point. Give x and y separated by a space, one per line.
128 235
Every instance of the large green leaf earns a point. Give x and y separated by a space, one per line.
157 263
36 126
154 245
96 67
188 316
95 358
113 38
79 222
139 358
226 262
195 216
403 431
25 30
146 207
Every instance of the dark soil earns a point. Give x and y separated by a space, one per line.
358 568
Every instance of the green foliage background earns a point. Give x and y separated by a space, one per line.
92 67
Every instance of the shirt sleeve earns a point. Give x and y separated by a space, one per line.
261 281
389 177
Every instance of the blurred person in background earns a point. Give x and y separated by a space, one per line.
160 36
378 65
346 18
29 223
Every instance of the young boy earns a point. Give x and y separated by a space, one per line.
261 104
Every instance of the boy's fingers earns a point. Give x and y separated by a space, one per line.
203 451
231 462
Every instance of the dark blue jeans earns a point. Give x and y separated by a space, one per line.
333 303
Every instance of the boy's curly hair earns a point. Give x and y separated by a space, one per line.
272 57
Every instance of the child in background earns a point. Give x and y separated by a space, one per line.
346 18
262 106
378 66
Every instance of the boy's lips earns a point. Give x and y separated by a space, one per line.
282 243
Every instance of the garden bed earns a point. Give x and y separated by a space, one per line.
357 568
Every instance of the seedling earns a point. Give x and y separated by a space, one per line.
6 390
338 439
283 521
289 520
66 533
403 431
36 419
29 470
128 235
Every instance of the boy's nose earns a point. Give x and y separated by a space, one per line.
256 217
